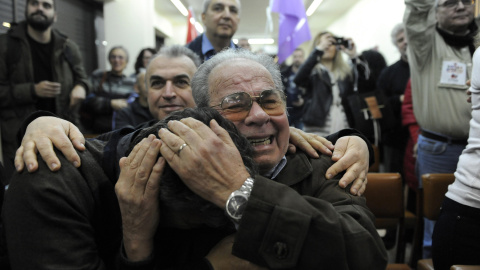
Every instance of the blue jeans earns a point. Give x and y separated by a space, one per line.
434 157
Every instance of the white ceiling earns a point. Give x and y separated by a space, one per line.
253 16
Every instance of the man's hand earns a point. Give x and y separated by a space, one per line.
309 143
137 191
220 257
47 89
118 104
40 135
77 95
210 164
351 154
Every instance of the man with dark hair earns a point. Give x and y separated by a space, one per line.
221 18
40 69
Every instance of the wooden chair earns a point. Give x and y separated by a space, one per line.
398 266
375 167
429 200
385 199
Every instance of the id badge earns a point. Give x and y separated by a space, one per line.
454 73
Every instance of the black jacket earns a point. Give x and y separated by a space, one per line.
319 96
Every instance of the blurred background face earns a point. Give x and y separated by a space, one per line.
297 58
221 18
454 19
147 55
331 51
40 14
401 44
243 43
118 61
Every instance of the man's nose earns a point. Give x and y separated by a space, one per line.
169 91
256 115
227 13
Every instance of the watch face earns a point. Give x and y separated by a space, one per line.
236 205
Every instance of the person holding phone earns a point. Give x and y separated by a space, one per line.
328 80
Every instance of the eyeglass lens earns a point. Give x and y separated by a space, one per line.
453 3
237 106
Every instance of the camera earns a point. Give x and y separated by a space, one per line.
345 42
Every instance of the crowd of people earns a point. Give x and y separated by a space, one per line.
210 156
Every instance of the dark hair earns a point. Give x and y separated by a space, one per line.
174 194
139 61
376 63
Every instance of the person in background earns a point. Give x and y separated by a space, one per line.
111 89
40 69
456 236
142 60
440 47
294 94
243 43
328 80
392 83
137 111
221 18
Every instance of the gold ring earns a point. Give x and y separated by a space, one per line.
181 148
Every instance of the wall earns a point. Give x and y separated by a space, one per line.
131 25
369 23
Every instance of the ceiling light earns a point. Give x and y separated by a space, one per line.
180 7
6 24
311 9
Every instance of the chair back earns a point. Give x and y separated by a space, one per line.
435 185
384 196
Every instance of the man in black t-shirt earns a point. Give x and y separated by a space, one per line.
40 69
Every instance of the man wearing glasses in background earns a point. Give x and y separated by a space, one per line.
440 47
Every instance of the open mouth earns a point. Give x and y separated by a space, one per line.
263 141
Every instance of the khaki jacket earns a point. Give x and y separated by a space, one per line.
438 107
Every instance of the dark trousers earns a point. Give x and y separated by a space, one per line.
456 237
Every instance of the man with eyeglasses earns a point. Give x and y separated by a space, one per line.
40 68
165 71
440 38
289 216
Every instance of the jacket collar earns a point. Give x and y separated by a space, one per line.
297 169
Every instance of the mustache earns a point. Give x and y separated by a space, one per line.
38 12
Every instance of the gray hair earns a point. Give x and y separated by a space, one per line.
175 51
395 31
118 48
206 4
200 87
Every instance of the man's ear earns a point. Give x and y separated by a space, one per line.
136 88
203 18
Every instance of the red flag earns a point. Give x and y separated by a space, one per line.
191 31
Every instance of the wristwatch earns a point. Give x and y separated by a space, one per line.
237 201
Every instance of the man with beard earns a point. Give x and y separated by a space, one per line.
40 69
440 48
293 93
221 18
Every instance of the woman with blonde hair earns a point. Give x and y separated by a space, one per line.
328 79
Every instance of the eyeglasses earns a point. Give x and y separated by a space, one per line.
454 3
237 105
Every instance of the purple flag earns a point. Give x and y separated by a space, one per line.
293 26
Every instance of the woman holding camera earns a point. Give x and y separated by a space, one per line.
329 79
